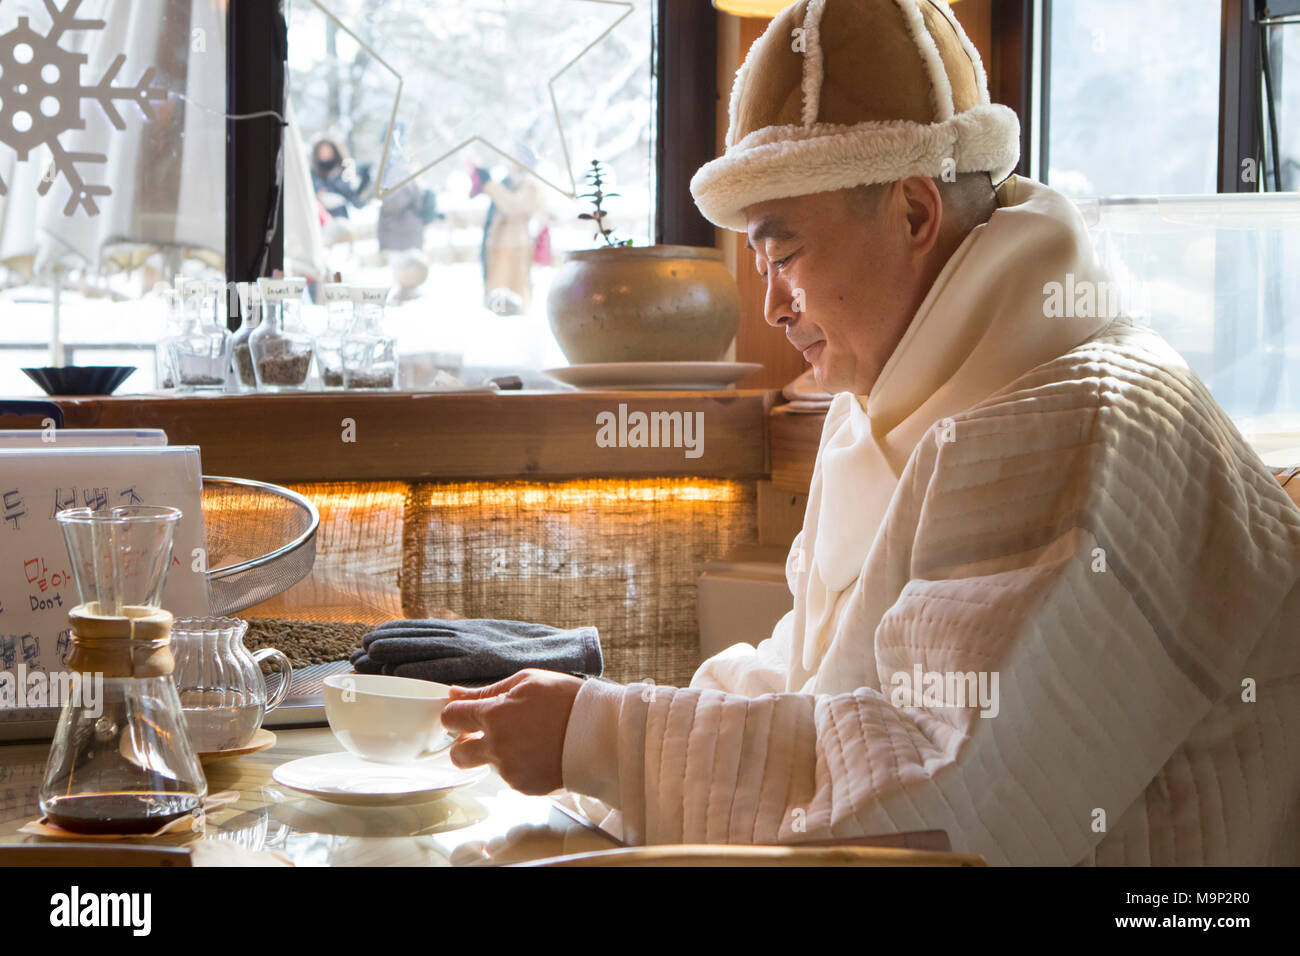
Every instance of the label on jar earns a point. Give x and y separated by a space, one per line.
338 292
280 290
370 294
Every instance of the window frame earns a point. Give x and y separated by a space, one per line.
256 77
684 55
1239 102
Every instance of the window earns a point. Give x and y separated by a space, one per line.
1131 99
1133 96
1280 167
1215 276
468 244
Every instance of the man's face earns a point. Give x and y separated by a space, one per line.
843 280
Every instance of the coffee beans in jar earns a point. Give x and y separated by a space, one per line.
281 348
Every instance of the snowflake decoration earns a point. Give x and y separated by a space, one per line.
41 96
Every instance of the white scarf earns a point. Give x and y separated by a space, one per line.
982 325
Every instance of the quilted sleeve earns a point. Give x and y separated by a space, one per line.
1085 709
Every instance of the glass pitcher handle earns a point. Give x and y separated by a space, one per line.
286 675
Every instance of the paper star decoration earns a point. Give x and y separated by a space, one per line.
484 140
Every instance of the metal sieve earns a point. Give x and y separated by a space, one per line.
261 541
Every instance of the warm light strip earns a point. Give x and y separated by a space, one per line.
379 494
752 8
586 493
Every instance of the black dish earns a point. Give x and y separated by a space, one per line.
80 379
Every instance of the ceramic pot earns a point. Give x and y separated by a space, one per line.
644 304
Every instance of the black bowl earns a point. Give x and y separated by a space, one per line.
80 379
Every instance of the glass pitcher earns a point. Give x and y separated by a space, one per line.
121 760
221 686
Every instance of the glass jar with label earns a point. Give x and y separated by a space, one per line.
250 313
200 353
369 352
281 347
338 325
163 373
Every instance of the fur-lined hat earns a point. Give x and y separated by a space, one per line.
841 93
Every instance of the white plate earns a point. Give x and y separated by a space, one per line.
347 779
653 375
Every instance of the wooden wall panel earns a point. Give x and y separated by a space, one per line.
756 341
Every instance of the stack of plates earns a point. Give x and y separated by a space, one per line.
632 376
805 396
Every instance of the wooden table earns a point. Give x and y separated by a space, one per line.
485 823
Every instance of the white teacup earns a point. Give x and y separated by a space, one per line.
385 719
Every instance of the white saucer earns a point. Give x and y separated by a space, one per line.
653 375
347 779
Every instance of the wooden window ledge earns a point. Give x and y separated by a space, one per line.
297 437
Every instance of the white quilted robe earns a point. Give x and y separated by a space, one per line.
1085 523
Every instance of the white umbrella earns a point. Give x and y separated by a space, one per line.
18 209
154 204
167 176
304 241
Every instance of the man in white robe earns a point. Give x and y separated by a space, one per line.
1046 598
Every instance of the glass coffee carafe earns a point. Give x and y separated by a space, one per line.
121 760
221 687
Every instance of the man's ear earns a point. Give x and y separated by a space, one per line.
924 208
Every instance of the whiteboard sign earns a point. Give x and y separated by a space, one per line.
36 585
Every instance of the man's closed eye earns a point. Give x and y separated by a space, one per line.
778 263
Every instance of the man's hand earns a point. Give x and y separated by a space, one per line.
517 725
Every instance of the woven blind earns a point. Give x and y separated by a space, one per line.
358 556
621 554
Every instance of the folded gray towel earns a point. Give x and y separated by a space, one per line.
476 650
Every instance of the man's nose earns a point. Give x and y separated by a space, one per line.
778 305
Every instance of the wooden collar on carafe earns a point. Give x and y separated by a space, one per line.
134 644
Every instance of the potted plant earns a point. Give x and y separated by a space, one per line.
625 303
